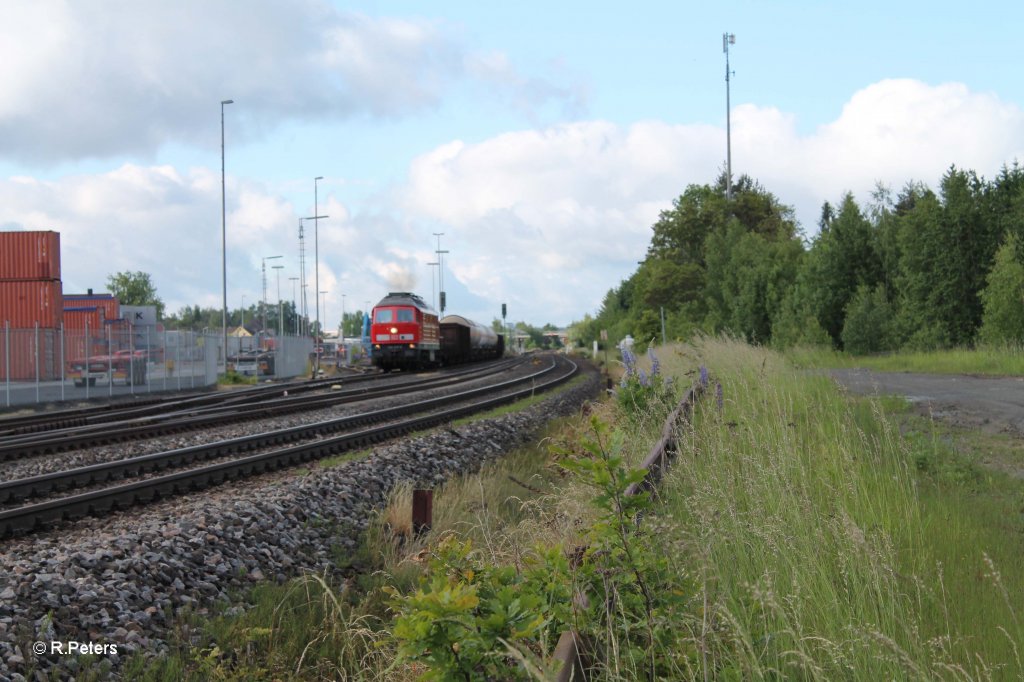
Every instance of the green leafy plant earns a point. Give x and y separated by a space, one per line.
623 592
635 593
469 620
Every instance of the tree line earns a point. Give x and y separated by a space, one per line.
916 269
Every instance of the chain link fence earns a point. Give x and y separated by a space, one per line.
47 365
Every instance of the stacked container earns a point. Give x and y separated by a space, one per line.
31 305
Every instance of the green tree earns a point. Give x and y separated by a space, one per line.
842 258
946 249
795 324
135 288
868 325
1003 297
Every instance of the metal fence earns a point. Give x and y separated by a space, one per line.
45 365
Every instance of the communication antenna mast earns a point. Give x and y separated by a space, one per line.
727 40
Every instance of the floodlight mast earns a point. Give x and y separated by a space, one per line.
727 40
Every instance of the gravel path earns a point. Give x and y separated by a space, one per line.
993 403
120 580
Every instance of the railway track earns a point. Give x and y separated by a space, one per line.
198 412
11 426
24 519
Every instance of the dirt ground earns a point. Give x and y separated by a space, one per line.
991 405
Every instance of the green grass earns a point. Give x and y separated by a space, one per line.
233 378
831 546
983 360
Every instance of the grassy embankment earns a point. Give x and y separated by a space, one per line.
984 360
811 540
830 546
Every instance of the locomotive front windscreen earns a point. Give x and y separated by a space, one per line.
387 315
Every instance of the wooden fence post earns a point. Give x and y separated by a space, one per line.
422 511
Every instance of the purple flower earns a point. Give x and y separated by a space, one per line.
643 377
719 397
703 376
655 365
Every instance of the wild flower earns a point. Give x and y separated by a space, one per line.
638 389
703 376
719 396
655 364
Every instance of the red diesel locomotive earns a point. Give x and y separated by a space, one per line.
406 333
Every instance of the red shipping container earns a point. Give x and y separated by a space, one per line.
29 354
78 318
111 306
24 303
29 255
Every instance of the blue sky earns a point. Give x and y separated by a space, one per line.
541 138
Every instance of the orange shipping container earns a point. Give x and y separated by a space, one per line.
25 303
29 255
30 355
110 305
77 318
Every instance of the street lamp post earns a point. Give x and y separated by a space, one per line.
323 295
316 261
280 315
727 40
224 235
294 281
243 311
263 301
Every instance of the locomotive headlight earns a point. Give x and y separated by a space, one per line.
394 330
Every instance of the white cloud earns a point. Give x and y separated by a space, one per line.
544 220
893 131
98 79
551 219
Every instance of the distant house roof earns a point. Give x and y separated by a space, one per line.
239 331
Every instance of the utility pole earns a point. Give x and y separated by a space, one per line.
727 40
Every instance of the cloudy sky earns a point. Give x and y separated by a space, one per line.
541 138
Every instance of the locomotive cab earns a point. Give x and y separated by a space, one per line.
404 332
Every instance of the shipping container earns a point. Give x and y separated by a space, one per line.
78 318
26 303
30 255
30 355
110 305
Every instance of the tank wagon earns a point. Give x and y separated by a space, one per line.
463 340
405 333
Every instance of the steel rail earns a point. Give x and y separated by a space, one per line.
71 418
173 420
29 518
35 486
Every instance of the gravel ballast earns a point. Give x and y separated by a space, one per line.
118 581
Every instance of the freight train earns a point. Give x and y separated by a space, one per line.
405 333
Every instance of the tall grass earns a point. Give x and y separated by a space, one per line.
820 555
1003 360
